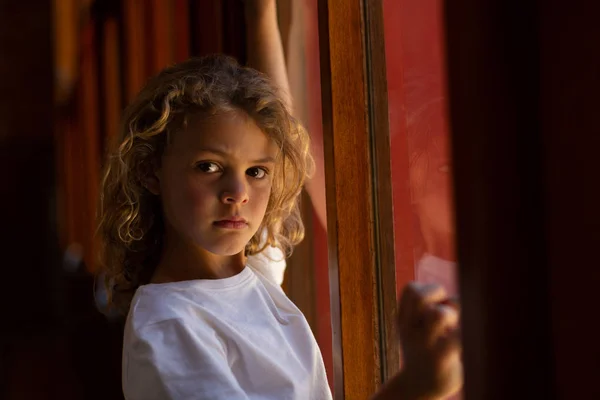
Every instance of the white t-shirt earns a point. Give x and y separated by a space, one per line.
234 338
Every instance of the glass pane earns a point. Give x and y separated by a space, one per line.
421 166
419 136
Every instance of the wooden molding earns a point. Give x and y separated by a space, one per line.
384 212
348 168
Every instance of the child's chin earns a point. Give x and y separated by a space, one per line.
229 248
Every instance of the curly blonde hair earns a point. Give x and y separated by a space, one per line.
131 225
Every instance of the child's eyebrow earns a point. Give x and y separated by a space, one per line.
222 153
265 160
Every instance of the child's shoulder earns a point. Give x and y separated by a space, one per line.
156 314
270 263
153 304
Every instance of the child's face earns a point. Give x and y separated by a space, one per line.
430 177
215 181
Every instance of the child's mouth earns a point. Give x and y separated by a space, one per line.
231 224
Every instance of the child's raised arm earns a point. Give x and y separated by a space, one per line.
265 49
265 53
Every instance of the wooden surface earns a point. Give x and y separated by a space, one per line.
88 137
570 82
349 197
523 91
382 185
111 82
28 241
134 12
207 27
181 30
160 35
66 48
498 142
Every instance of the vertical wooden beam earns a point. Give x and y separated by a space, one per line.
384 212
26 167
181 30
207 27
135 47
28 299
348 166
493 70
66 50
111 79
78 151
66 62
569 104
89 133
65 180
159 35
234 29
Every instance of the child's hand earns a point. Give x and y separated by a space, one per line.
428 324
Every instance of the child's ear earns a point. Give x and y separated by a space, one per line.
152 180
152 184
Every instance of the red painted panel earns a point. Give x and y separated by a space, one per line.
421 167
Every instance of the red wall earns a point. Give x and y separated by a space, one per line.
421 168
418 124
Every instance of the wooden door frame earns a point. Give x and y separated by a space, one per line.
359 207
497 164
382 192
523 84
349 204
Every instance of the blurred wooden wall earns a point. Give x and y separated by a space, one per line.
106 50
28 239
70 66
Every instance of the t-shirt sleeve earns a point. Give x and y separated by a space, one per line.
166 360
271 263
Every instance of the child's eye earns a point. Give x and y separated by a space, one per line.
208 167
257 172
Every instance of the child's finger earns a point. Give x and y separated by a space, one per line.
415 297
452 301
440 320
449 345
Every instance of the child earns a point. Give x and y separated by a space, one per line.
199 205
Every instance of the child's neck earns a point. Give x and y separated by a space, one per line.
183 262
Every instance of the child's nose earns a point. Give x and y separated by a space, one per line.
235 193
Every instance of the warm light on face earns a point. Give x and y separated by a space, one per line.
215 181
